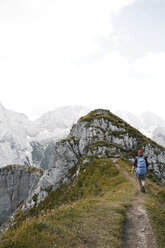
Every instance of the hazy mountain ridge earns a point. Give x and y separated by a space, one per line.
31 142
148 123
18 133
14 130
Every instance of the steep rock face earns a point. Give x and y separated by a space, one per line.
28 142
65 157
14 130
98 134
148 123
16 183
107 136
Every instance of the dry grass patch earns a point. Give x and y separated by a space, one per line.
89 213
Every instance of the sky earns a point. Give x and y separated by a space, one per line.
95 53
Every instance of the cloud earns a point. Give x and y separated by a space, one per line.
158 1
39 38
44 28
151 65
43 44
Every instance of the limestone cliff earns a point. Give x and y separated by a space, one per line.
98 134
16 183
102 134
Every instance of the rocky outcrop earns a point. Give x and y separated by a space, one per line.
148 123
27 142
98 134
66 156
16 184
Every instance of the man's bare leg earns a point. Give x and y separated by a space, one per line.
143 183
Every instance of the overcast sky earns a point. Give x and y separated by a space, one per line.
95 53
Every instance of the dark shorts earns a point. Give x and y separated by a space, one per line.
141 178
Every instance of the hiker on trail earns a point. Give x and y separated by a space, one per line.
140 164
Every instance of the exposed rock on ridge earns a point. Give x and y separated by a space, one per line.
98 134
16 183
148 123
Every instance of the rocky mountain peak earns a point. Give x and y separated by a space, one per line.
148 123
74 164
99 134
25 142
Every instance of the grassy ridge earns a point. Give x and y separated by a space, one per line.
155 203
156 208
142 140
88 213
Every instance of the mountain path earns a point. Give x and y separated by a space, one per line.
137 229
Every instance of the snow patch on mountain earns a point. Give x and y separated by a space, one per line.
148 123
17 132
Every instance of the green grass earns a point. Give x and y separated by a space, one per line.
88 213
30 169
142 140
126 165
155 203
71 138
100 143
156 208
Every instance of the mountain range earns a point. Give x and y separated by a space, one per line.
27 142
83 197
30 142
148 123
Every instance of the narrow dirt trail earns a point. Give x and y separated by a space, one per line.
137 230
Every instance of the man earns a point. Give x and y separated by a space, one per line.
141 165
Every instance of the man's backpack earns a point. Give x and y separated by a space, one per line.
141 166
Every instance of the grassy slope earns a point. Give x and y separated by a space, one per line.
155 203
88 213
91 211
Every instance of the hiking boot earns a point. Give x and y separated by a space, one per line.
143 189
